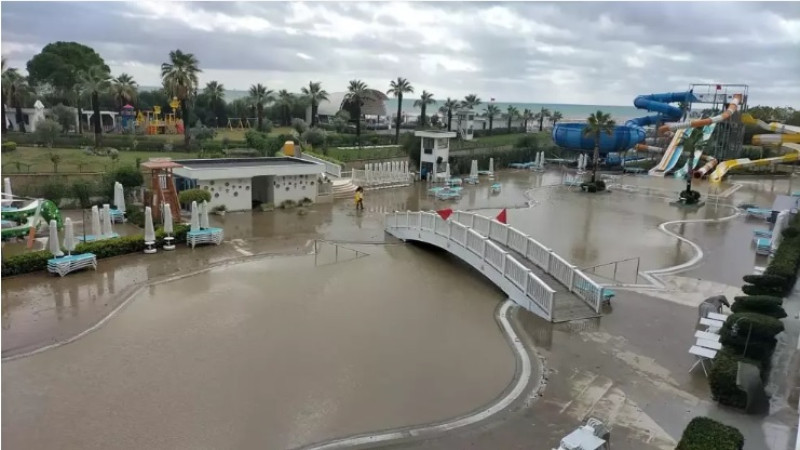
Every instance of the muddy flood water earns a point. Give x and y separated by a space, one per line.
275 347
274 353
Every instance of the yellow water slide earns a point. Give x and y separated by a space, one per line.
789 139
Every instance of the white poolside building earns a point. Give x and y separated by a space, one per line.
240 183
434 149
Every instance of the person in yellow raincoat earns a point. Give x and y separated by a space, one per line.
359 198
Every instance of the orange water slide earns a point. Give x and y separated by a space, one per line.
732 107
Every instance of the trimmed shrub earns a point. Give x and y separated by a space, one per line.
764 327
703 433
790 232
299 125
751 289
194 195
35 261
47 130
54 191
755 338
315 137
9 146
65 116
722 380
765 280
82 190
762 304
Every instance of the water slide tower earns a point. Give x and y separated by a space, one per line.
729 134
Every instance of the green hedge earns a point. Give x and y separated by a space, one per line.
9 146
722 380
751 289
35 261
703 433
765 280
762 304
756 336
762 326
194 195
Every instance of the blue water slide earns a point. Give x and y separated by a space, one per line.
624 137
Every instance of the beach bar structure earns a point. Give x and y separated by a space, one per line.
465 123
434 150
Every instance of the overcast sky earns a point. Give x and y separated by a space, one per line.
584 53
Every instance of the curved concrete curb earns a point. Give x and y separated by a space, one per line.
430 430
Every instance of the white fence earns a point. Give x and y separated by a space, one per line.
332 169
392 173
480 236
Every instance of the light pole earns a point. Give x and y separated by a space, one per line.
735 331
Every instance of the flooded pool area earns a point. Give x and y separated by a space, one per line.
274 353
309 325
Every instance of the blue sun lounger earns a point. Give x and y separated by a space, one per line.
496 187
762 233
763 246
761 213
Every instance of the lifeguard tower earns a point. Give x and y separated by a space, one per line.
162 186
465 123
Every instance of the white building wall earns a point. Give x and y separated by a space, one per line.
234 193
294 187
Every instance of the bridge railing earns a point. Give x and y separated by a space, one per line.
480 234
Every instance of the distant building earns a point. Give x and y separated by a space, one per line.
374 105
108 119
465 123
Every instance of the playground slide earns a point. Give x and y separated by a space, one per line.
671 155
726 166
17 222
772 126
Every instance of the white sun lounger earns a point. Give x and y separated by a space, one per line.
712 325
699 334
702 354
717 316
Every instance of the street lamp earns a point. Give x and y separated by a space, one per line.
735 332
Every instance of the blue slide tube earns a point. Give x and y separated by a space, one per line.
624 137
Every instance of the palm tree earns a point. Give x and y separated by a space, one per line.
492 111
397 88
285 101
179 76
512 113
357 92
260 96
555 117
124 89
471 101
447 108
527 115
315 94
215 92
541 115
596 124
96 80
424 100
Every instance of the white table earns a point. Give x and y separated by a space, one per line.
706 335
702 355
584 439
717 316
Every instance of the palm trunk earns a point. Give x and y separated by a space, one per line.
595 157
491 124
314 108
5 127
422 116
541 124
399 111
98 129
358 125
18 112
449 119
259 116
185 118
509 124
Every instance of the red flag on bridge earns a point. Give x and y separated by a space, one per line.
444 213
719 87
502 217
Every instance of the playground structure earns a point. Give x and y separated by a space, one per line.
153 122
722 133
241 123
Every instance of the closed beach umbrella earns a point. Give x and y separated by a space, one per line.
107 231
447 172
491 165
69 236
473 170
119 196
96 231
194 223
204 216
7 188
149 229
52 243
167 219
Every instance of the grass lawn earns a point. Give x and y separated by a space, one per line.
238 135
37 159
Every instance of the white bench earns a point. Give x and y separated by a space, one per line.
708 343
702 354
711 324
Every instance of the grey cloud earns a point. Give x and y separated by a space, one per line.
510 64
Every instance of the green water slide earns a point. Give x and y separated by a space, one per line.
17 222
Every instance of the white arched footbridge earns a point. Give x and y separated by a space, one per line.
532 275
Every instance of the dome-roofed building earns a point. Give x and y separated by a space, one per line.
374 105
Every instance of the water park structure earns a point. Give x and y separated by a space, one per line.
720 139
22 216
